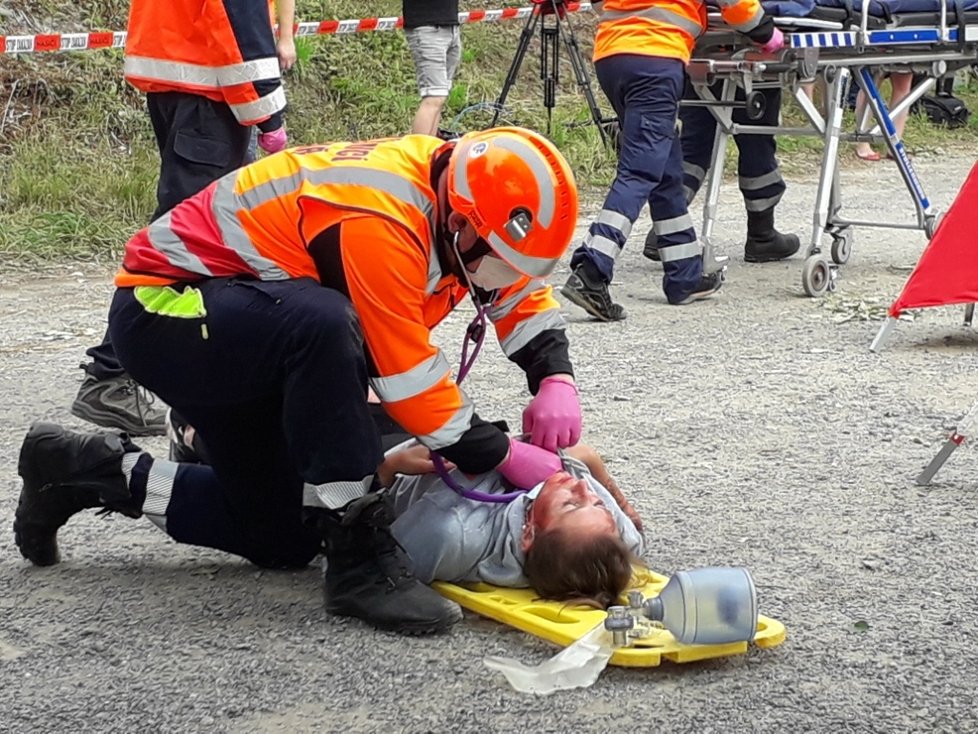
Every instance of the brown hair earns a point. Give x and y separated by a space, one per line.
593 570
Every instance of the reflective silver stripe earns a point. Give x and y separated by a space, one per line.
260 108
390 183
166 241
453 428
434 273
671 226
225 208
615 219
541 172
603 245
227 203
535 267
267 191
761 205
249 71
199 75
159 489
171 71
752 22
752 183
335 495
412 382
530 156
505 307
697 172
531 327
680 252
657 14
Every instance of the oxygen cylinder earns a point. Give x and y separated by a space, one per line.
707 606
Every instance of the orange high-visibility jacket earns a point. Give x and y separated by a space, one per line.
220 49
665 28
360 218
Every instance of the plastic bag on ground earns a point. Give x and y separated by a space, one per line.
576 666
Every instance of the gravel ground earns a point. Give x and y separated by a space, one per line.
754 429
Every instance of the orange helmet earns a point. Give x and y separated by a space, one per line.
517 190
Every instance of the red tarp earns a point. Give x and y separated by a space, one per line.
947 271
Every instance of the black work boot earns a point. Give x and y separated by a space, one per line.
764 242
369 576
709 284
66 472
651 249
587 289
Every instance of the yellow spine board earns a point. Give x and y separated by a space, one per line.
563 624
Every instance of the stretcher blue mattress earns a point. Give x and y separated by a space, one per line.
924 12
890 8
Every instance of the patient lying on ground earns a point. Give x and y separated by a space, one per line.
574 537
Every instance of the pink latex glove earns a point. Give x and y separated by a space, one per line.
274 141
775 43
526 465
552 420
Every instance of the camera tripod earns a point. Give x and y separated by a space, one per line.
551 35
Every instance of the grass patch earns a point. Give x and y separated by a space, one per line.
78 162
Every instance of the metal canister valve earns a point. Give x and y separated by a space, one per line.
619 621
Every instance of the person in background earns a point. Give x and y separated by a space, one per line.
208 84
640 54
432 31
758 174
900 85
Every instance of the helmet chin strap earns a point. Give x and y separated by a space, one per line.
481 298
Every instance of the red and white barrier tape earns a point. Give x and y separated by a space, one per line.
117 39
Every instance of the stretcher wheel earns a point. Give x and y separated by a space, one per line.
755 105
816 276
930 225
841 246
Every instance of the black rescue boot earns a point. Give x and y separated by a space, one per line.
651 249
764 243
709 284
66 472
587 289
369 576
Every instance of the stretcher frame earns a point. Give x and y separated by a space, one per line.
840 56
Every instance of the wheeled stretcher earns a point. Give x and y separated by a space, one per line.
841 42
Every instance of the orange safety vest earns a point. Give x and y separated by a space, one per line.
664 28
259 222
220 49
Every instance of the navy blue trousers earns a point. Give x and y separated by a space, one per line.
757 164
273 379
645 93
200 140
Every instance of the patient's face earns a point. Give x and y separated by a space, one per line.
569 504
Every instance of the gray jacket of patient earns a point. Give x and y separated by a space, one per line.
452 538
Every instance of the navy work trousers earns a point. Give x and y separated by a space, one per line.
200 140
274 379
757 165
645 93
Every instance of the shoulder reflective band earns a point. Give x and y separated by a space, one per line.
659 15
